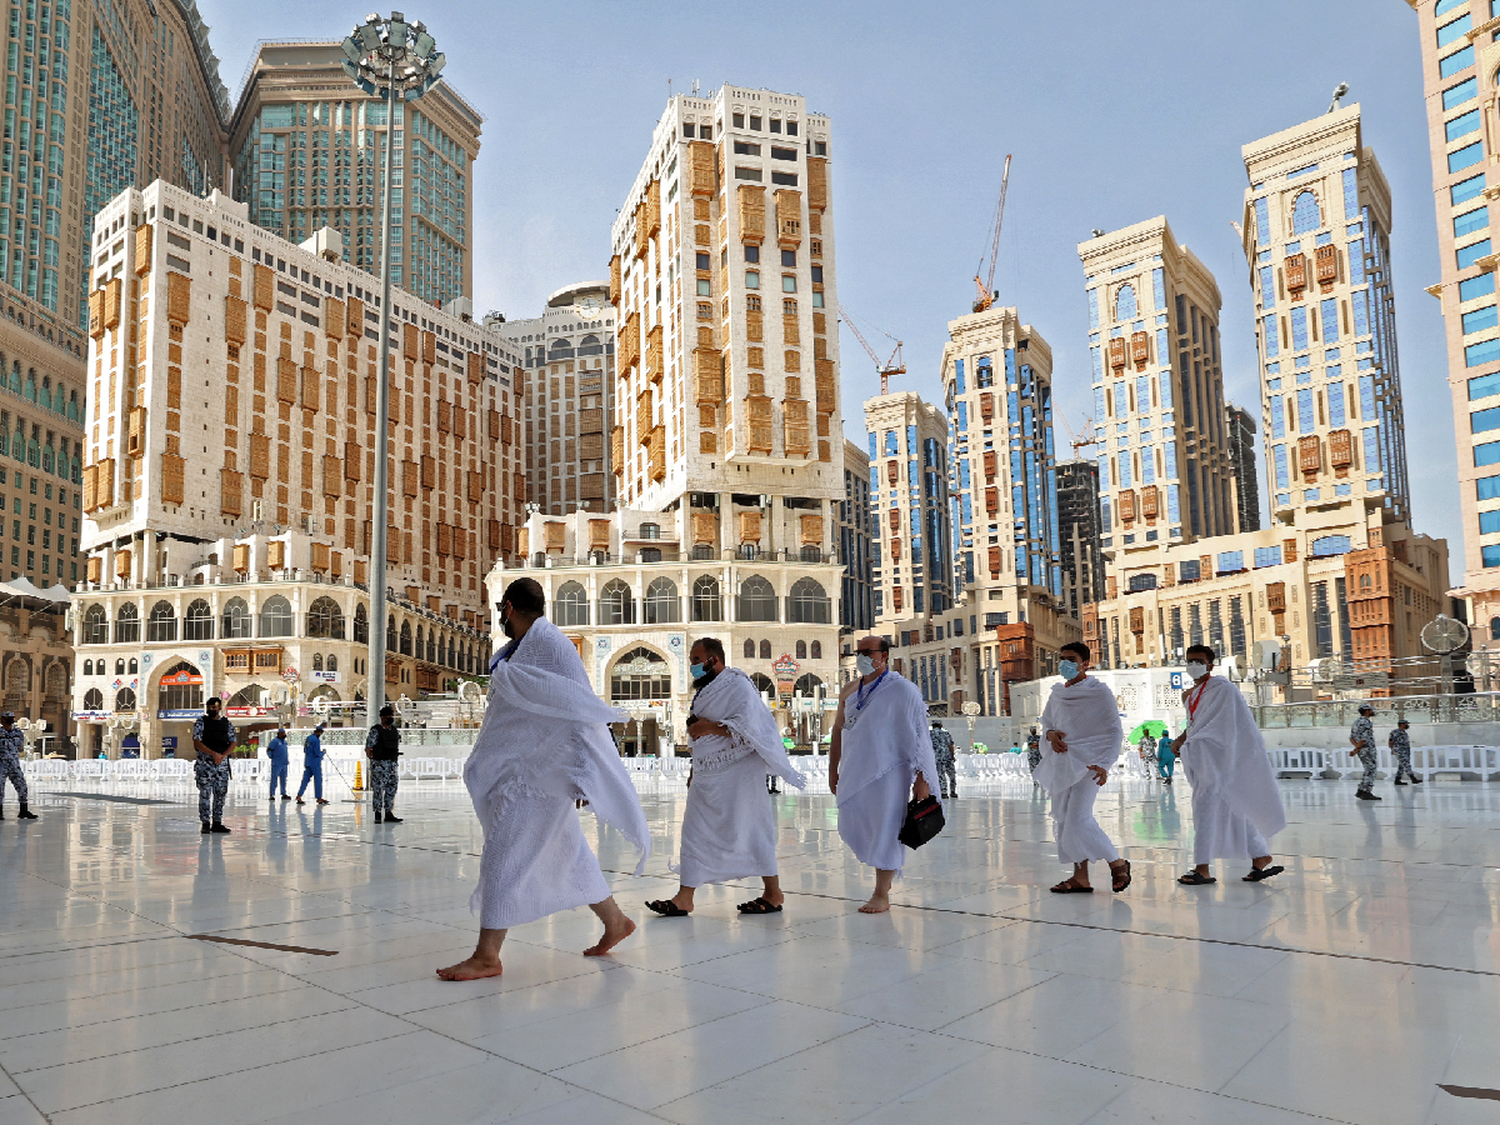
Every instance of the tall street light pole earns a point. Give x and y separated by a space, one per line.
396 61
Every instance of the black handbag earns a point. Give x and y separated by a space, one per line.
924 820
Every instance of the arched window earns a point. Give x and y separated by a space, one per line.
1305 214
662 603
237 620
570 605
93 700
616 604
590 345
749 649
95 625
162 624
452 654
406 638
811 552
125 699
361 625
1125 308
391 642
181 688
706 603
325 619
809 604
757 600
807 684
762 683
432 646
128 624
120 666
650 531
198 623
765 650
317 662
817 650
801 650
131 668
640 674
276 618
332 663
88 665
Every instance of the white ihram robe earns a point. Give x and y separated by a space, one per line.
883 745
729 825
1236 801
544 745
1089 718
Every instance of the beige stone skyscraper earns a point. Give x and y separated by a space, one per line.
1316 230
1164 474
913 574
307 150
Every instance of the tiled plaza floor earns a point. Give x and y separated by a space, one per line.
1352 988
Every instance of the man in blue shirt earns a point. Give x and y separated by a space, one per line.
312 764
276 751
1166 757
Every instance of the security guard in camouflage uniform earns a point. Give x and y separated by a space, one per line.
943 753
383 748
1362 738
214 738
1400 744
12 742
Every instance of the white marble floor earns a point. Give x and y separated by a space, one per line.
1353 988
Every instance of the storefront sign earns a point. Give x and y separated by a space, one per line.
246 712
322 677
92 716
184 678
786 667
183 713
169 742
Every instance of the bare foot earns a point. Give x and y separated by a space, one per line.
878 904
612 937
471 969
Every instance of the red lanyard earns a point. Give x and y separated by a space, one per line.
1197 695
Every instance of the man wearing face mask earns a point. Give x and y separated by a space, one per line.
729 827
1236 802
1082 732
213 738
544 746
880 758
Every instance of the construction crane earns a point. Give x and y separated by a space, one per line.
892 366
986 288
1076 441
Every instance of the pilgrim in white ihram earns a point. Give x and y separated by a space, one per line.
729 824
1236 802
1081 735
544 746
880 758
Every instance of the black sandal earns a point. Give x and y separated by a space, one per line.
667 908
1120 880
1070 887
1193 879
759 906
1257 874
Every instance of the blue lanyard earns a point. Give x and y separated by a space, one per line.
860 693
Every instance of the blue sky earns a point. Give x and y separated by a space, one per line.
1114 113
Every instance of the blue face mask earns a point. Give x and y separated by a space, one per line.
697 671
1067 669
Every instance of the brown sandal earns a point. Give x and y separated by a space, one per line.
1121 879
1071 887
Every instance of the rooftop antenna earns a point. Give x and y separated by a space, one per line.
1338 92
695 87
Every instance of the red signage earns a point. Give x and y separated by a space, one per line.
184 677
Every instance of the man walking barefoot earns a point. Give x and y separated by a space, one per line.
543 747
729 828
880 757
1081 724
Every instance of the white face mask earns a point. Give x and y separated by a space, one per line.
865 664
1197 670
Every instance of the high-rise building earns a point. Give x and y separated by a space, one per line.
913 576
1458 67
1158 390
1078 516
232 364
1002 481
727 446
100 99
857 542
307 150
1316 230
1240 426
569 357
